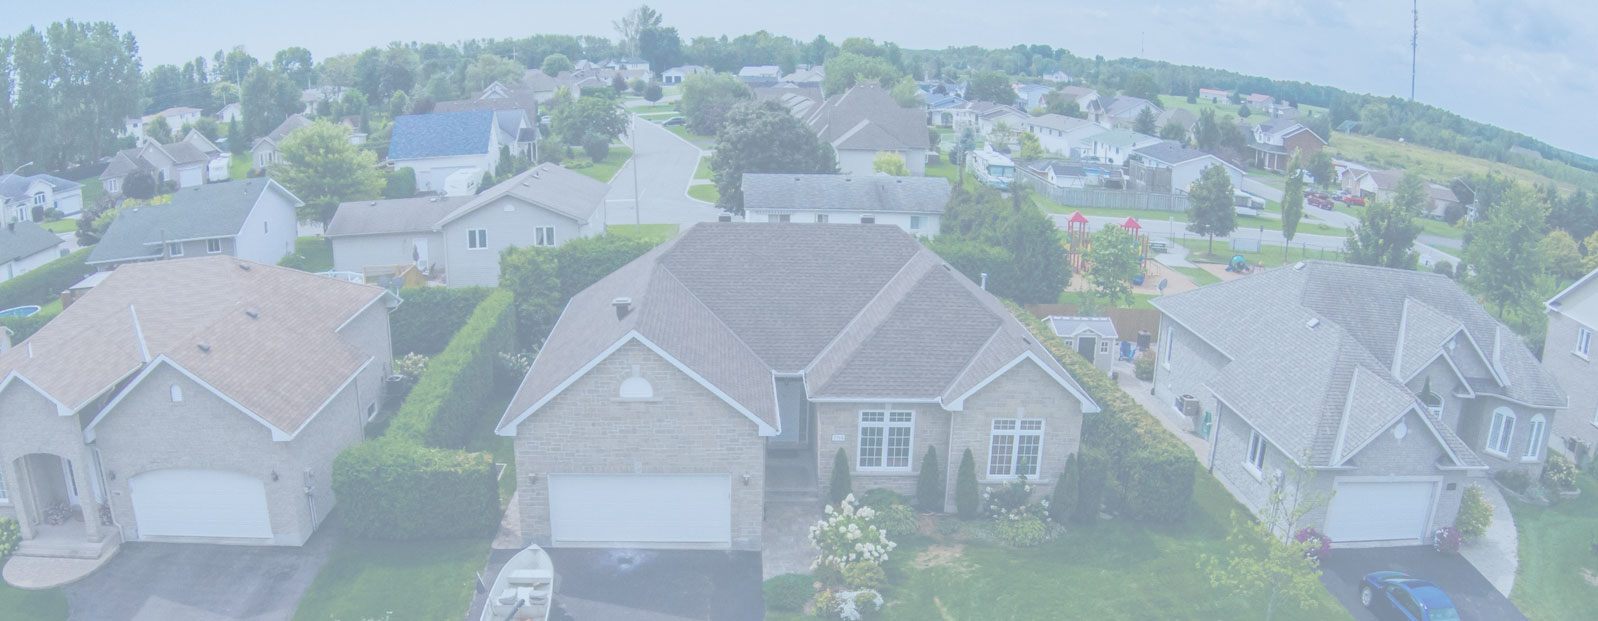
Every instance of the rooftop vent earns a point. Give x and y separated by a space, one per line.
1312 323
1298 266
373 203
724 218
244 266
204 347
254 314
623 306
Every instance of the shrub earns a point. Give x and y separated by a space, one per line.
596 146
24 327
1516 480
882 498
10 535
1443 267
1009 500
863 575
1559 472
1475 515
410 366
510 368
898 520
45 283
1025 532
1156 474
788 592
395 489
929 484
458 382
400 183
848 605
1446 540
846 535
1065 492
1090 485
840 485
1321 544
1143 366
430 316
966 501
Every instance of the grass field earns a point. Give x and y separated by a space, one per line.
705 191
92 191
1271 256
690 136
1139 300
1199 275
604 169
365 579
1244 223
239 167
311 254
64 225
1427 225
658 232
484 440
944 169
703 171
18 604
1431 164
654 108
1557 568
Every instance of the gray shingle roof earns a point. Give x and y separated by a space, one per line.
441 135
875 193
1127 106
15 187
1299 399
853 309
399 215
295 121
866 117
565 192
1171 152
25 239
214 210
1072 326
1059 122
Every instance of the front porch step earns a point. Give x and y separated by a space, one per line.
66 548
793 496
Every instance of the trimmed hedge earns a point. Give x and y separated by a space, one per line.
24 327
450 395
1148 471
394 489
430 316
42 285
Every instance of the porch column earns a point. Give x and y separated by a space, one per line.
83 473
15 493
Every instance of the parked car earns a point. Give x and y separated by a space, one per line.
1319 201
1353 200
1396 595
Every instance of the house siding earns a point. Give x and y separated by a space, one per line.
1474 429
859 161
1576 375
353 254
930 222
432 171
23 265
1192 363
266 244
685 429
470 267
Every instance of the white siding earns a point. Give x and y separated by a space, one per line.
431 171
351 254
858 161
929 222
267 244
480 266
13 269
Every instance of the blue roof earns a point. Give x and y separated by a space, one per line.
441 135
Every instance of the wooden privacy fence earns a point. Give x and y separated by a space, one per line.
1128 321
1106 198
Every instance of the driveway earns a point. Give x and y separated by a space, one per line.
199 582
664 164
1343 571
657 585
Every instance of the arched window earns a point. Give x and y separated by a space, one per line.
1534 437
177 393
636 387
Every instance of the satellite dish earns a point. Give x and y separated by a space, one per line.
1163 282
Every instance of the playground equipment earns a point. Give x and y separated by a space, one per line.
1079 241
1238 265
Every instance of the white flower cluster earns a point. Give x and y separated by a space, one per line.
848 606
846 535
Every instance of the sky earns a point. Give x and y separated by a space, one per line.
1519 64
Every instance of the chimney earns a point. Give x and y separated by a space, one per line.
67 298
984 281
726 217
868 219
623 306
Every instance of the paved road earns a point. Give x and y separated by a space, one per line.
1475 597
1258 188
665 164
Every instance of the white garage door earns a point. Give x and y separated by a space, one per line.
1380 511
200 503
640 509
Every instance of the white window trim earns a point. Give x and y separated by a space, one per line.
821 218
1438 409
1165 349
1015 447
476 239
1104 346
544 236
1254 459
174 249
887 415
1536 436
210 242
1504 441
5 496
1583 343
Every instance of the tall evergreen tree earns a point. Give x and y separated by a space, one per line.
1292 201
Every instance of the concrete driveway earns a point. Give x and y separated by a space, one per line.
197 582
1473 595
656 585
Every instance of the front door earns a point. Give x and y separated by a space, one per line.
419 252
1085 345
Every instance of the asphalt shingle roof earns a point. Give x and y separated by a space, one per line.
1171 152
25 239
874 193
440 135
208 211
1072 326
866 117
398 215
15 187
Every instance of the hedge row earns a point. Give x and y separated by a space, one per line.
24 327
430 316
450 395
1148 471
45 283
392 488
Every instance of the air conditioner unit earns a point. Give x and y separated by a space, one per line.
1190 406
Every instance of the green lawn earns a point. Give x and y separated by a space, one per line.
1109 570
1274 179
1272 255
1427 225
92 191
311 254
657 116
659 232
239 167
18 604
604 169
703 171
690 136
1199 275
1139 300
1431 164
705 191
944 169
1558 576
1244 223
63 225
653 108
367 579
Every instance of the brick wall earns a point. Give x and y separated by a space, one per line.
685 429
1192 362
29 424
1577 376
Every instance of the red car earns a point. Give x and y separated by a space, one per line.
1353 200
1319 202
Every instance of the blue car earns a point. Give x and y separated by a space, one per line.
1395 595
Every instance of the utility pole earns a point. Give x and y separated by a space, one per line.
1414 44
638 210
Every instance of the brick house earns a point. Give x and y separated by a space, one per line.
1568 355
198 400
1396 399
727 367
1275 142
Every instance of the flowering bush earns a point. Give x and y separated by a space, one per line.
1559 472
410 367
1023 532
847 535
1446 540
1320 542
9 536
848 605
863 575
1013 501
511 367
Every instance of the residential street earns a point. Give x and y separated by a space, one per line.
665 164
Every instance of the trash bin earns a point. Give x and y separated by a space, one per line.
1144 339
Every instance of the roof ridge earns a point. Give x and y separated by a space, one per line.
860 312
662 267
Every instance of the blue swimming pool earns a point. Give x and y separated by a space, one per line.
19 311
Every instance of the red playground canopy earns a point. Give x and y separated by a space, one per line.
1078 218
1131 223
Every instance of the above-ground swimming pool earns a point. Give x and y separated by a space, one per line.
19 311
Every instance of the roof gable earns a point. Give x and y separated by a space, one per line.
468 132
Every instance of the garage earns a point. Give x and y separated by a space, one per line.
1380 510
640 509
200 503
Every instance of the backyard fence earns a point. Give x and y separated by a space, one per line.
1106 198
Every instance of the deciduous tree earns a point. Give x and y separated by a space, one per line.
1502 250
1264 559
320 166
890 163
1112 264
488 69
991 86
555 63
706 100
762 137
1292 201
1387 231
1211 212
589 115
848 69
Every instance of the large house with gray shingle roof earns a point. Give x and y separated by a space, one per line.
1394 386
864 121
20 195
464 143
721 372
915 204
25 246
200 400
252 219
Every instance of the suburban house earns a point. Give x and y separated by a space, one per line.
800 102
1061 134
1030 96
1275 142
1082 95
1439 199
506 102
676 75
21 194
194 401
464 144
312 97
1179 166
1214 96
725 384
1077 173
1121 110
1056 76
176 118
1180 117
1376 184
627 64
264 150
865 120
1116 145
251 219
1259 101
760 75
1094 338
1567 355
1398 397
189 162
805 77
457 239
230 113
999 122
915 204
24 246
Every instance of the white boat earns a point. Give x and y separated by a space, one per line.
524 589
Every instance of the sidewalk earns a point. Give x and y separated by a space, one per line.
1496 554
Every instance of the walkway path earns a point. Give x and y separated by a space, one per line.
664 164
1496 554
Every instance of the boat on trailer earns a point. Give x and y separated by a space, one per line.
524 589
